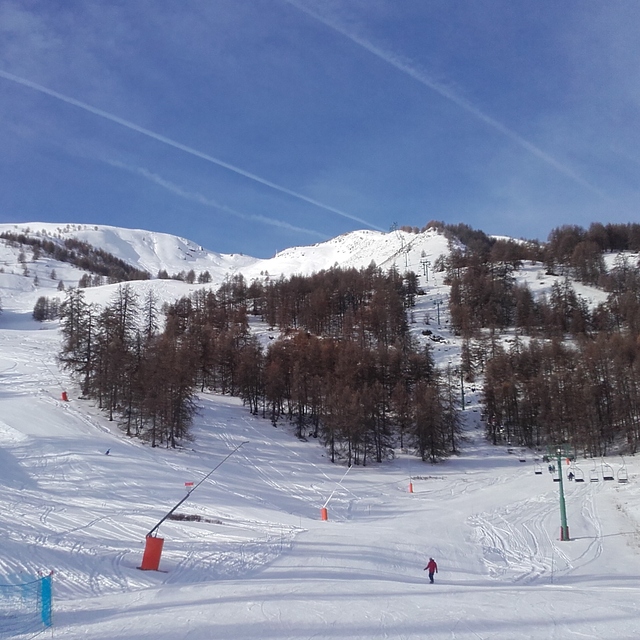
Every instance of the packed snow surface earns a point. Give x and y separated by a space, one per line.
260 562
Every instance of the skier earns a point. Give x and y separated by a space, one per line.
432 567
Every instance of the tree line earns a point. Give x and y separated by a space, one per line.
139 376
80 254
337 361
585 394
570 374
485 295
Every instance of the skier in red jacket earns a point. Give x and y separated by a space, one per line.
432 568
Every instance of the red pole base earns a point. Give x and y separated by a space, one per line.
324 515
411 487
152 554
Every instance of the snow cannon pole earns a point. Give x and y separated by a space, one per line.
150 534
323 510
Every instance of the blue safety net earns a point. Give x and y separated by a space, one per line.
25 607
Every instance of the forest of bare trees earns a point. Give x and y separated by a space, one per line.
585 394
339 364
571 375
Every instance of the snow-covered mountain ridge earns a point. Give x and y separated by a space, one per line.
153 252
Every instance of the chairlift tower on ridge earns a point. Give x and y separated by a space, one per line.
425 267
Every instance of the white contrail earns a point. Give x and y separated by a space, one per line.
407 68
182 147
209 202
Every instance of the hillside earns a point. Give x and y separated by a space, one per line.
260 562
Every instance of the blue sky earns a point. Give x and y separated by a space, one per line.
254 125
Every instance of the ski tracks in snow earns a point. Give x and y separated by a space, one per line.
510 551
308 493
520 541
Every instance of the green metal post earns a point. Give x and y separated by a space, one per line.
564 527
